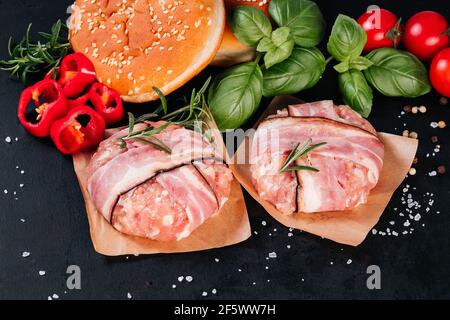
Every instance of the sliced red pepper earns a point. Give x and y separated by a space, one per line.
107 103
40 106
75 74
80 101
82 128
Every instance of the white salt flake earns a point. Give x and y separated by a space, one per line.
25 254
8 140
5 191
174 286
216 260
204 294
264 223
417 217
272 255
55 296
180 279
42 273
349 261
290 234
214 291
189 278
129 296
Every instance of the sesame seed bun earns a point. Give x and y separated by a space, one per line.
137 44
231 50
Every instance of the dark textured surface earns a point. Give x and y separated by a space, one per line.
55 230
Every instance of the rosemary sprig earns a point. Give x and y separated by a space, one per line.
297 153
146 135
193 116
28 57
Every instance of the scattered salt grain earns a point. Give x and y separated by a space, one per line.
264 223
5 191
349 261
8 140
288 246
42 273
204 294
432 173
216 260
272 255
214 291
55 296
189 278
290 234
25 254
180 279
174 286
434 125
417 217
129 295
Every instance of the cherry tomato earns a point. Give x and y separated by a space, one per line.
440 72
426 34
382 28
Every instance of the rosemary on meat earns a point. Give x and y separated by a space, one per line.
28 57
194 116
299 152
146 135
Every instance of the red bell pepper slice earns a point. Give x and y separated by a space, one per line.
80 101
40 106
82 128
75 74
107 103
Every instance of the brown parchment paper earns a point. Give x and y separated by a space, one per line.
229 227
348 227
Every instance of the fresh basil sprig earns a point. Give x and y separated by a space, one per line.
278 48
347 39
356 91
235 95
302 17
397 73
301 71
250 25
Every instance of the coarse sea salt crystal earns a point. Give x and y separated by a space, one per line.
272 255
129 296
434 125
432 173
8 140
25 254
349 261
204 294
42 273
214 291
264 223
180 278
189 278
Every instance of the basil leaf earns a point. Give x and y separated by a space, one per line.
278 48
397 73
302 17
250 25
358 63
347 39
302 70
235 95
356 92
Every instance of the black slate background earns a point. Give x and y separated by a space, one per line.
55 230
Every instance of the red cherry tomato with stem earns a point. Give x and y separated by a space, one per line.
382 27
426 33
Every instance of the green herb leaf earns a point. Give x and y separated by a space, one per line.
302 17
301 71
298 168
278 48
27 57
297 153
162 98
235 95
347 39
131 122
356 92
250 25
358 63
397 73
